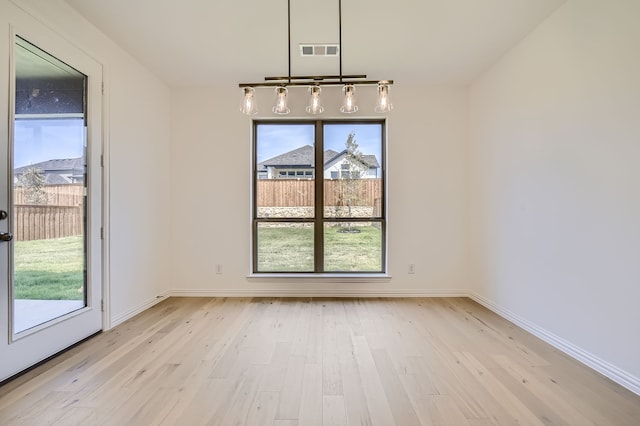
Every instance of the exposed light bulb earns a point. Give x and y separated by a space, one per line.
315 103
249 106
384 103
349 103
281 101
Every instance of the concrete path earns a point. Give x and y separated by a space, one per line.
30 313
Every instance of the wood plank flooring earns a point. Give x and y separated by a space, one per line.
294 362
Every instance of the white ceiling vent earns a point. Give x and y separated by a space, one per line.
319 50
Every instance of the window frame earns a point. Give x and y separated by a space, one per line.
319 220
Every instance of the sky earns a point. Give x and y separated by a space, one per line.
41 140
38 140
276 139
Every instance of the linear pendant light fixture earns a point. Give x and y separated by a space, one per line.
314 83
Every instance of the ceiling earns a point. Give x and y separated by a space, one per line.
212 42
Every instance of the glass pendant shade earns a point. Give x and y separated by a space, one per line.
384 103
315 103
249 106
349 103
281 101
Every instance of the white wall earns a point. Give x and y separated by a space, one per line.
427 179
542 152
555 183
137 130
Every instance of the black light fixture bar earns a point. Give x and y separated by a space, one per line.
315 82
317 77
320 80
339 37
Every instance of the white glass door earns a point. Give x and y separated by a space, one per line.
50 202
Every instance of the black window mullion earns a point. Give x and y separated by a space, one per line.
319 197
254 196
383 174
319 220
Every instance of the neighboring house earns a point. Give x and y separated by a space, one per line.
298 164
57 172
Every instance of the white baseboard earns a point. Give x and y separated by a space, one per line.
603 367
120 318
329 292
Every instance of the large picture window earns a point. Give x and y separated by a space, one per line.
318 197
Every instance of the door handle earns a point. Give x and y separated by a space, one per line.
6 236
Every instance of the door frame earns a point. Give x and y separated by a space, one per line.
25 26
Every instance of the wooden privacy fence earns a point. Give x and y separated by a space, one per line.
61 216
57 195
32 222
300 193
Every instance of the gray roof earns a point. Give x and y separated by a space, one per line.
60 171
55 165
55 179
329 155
367 159
303 157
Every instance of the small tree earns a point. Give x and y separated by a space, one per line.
349 186
33 181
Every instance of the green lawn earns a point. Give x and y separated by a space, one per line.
289 248
353 252
53 269
49 269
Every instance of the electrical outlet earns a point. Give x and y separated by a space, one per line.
218 268
412 268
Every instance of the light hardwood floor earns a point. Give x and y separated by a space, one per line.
273 361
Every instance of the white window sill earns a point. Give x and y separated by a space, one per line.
329 278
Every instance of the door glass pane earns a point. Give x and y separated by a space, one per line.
352 170
285 171
49 176
353 246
